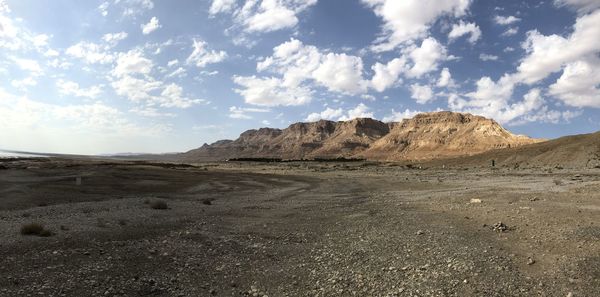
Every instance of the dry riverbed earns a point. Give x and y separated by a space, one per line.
296 229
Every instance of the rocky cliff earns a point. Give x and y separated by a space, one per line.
426 136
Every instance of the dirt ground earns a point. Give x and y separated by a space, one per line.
297 229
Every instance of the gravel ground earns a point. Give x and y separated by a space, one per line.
297 229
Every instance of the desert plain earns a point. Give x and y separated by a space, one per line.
125 228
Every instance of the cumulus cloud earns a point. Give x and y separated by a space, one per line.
327 114
301 67
67 87
201 56
579 84
360 111
398 116
151 26
387 75
134 81
270 91
97 53
445 79
410 20
340 73
463 28
427 57
264 15
114 38
506 20
547 54
220 6
132 62
421 93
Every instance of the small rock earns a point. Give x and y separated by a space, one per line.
530 261
475 200
500 227
420 232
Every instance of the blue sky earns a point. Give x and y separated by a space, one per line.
162 76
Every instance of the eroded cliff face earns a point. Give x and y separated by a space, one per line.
443 134
426 136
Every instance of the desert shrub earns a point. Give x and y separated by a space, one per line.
207 201
35 229
122 222
159 204
558 182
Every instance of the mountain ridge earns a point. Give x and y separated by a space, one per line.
425 136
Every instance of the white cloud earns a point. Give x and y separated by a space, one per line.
136 90
173 63
132 62
506 20
487 57
242 112
409 20
510 31
40 40
341 73
103 8
327 114
509 49
201 56
301 67
151 112
51 53
421 93
80 128
547 54
132 8
582 6
426 58
579 85
150 93
360 111
72 88
179 72
220 6
463 28
91 52
270 91
24 83
32 66
398 116
114 38
387 75
172 96
445 79
493 99
151 26
264 15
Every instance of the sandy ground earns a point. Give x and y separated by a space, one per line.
297 229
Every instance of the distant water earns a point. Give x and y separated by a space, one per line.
4 154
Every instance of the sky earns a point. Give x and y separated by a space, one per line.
116 76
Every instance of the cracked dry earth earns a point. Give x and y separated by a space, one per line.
297 229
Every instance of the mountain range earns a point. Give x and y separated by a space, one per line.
426 136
